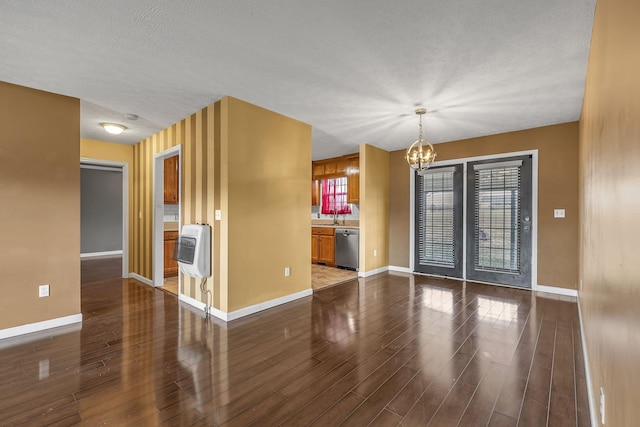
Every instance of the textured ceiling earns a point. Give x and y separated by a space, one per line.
355 70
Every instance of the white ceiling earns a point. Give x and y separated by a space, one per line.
355 70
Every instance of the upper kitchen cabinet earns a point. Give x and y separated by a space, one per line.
353 180
336 167
315 192
171 173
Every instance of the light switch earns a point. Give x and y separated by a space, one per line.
218 214
558 213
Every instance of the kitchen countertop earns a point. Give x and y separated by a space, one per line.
171 226
330 225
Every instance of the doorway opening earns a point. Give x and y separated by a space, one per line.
475 219
167 182
105 210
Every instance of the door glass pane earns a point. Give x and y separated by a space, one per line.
497 213
436 219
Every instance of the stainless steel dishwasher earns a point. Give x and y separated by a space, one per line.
348 248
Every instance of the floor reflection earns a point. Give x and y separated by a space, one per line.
427 351
336 319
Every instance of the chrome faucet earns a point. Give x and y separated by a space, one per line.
335 217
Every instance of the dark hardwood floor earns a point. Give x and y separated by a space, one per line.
394 350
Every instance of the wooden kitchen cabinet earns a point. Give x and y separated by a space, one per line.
353 181
318 170
342 166
336 167
323 246
171 173
170 265
315 192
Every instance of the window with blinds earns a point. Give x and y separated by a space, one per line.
497 213
436 218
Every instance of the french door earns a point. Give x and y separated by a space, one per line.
439 221
486 237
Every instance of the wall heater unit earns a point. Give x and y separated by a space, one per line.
193 250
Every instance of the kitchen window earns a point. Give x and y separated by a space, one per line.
334 196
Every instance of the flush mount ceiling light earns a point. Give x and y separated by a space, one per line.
113 128
421 154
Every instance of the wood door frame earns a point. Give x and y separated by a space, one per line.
465 161
124 166
157 244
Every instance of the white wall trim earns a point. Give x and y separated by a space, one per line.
139 278
557 291
194 302
100 254
373 272
400 269
534 206
587 371
246 311
157 240
412 219
40 326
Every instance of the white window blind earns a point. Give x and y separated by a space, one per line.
436 213
497 213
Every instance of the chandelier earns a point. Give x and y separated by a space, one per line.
421 154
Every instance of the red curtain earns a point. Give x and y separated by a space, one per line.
334 196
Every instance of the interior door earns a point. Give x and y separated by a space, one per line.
439 221
499 221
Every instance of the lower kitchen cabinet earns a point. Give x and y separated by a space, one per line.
170 265
323 246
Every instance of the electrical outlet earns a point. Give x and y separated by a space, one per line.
602 405
287 271
558 213
218 214
43 291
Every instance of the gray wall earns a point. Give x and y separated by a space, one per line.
101 210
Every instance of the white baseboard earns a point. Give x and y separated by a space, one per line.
100 254
201 306
139 278
246 311
193 302
373 272
400 269
40 326
539 288
587 371
557 291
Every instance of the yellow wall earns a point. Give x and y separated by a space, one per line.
374 208
399 209
610 208
253 165
101 150
195 134
40 176
557 188
265 170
